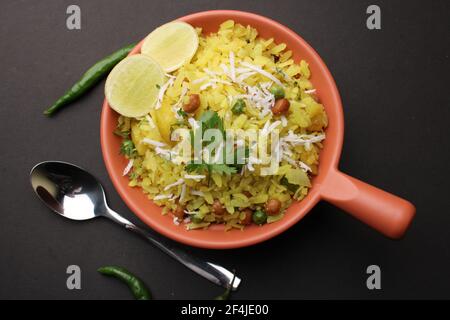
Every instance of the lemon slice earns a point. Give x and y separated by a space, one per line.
171 45
133 85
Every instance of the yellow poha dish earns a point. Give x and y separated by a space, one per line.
244 82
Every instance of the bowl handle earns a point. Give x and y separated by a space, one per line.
383 211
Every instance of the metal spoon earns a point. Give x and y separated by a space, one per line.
75 194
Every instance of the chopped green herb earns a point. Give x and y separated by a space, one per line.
158 86
211 120
191 166
182 113
208 120
238 106
222 169
133 175
127 148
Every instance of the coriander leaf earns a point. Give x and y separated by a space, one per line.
127 148
211 120
133 175
208 120
222 169
191 166
207 116
238 106
181 112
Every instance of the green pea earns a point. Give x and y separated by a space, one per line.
238 106
278 92
259 217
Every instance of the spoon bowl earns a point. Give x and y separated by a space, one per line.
68 190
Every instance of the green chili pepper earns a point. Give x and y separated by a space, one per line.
226 294
259 217
136 285
95 73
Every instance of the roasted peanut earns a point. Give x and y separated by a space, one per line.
178 212
281 106
247 194
273 207
193 104
218 208
248 216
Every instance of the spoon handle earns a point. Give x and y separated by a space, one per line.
211 271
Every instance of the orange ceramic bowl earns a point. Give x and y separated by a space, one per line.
385 212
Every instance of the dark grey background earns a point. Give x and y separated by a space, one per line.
394 85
